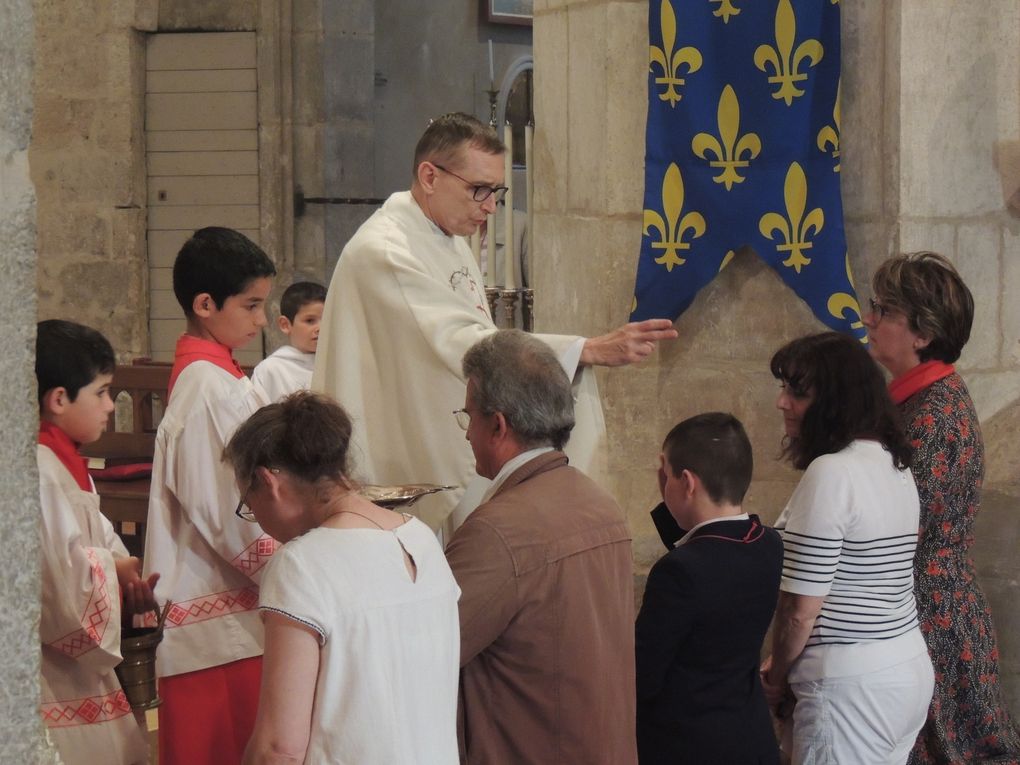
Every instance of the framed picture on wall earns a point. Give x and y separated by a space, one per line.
509 11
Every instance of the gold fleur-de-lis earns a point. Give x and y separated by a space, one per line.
735 151
840 302
725 10
726 259
796 227
786 61
829 135
671 61
673 228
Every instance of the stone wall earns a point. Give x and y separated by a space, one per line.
20 728
928 161
88 165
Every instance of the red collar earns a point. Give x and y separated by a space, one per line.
57 441
917 379
191 349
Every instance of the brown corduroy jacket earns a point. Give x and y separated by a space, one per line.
547 622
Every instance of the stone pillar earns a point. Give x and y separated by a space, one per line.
929 161
20 726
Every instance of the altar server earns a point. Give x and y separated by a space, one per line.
210 660
84 566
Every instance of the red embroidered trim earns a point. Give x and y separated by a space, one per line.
87 711
209 607
95 618
256 555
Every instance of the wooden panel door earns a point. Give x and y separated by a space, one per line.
201 133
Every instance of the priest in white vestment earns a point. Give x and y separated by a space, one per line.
405 303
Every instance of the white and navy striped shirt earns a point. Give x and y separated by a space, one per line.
849 534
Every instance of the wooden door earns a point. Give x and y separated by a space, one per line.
201 133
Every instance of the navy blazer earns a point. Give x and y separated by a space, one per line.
706 609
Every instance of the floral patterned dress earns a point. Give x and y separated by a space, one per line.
967 722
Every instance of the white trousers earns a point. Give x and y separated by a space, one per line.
870 719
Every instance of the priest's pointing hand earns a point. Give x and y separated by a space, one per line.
628 344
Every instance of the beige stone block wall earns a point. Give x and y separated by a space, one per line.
88 166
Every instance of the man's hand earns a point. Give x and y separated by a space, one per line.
138 596
628 344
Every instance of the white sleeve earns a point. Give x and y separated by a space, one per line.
204 485
814 525
80 594
288 589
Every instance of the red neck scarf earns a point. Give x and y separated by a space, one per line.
57 441
191 349
917 379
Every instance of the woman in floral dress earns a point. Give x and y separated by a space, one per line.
919 321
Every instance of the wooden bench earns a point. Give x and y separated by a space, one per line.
126 503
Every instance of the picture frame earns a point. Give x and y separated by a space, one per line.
517 12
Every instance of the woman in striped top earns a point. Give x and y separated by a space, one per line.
846 640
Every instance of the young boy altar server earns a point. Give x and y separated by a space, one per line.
210 660
707 605
289 369
82 559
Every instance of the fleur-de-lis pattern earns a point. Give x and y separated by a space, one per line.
725 10
734 151
784 59
671 61
743 150
828 136
672 224
795 227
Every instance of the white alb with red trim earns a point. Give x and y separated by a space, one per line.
210 561
82 703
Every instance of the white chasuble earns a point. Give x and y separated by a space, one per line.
405 303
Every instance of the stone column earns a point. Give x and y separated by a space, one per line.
20 726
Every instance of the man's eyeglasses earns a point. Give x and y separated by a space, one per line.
479 192
463 418
242 510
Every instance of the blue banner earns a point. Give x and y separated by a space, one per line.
742 148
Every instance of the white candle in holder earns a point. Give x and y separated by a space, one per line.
508 200
529 184
490 250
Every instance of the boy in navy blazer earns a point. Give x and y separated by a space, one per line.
707 606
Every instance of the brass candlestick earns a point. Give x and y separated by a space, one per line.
528 309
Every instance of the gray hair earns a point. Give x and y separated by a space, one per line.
518 375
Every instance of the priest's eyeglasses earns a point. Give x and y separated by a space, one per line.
479 191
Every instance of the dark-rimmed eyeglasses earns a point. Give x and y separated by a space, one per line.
479 192
242 510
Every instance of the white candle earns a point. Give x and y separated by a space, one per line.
490 247
508 231
492 68
529 184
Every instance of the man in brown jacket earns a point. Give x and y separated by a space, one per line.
544 565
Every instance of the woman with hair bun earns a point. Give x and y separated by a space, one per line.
920 319
362 640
